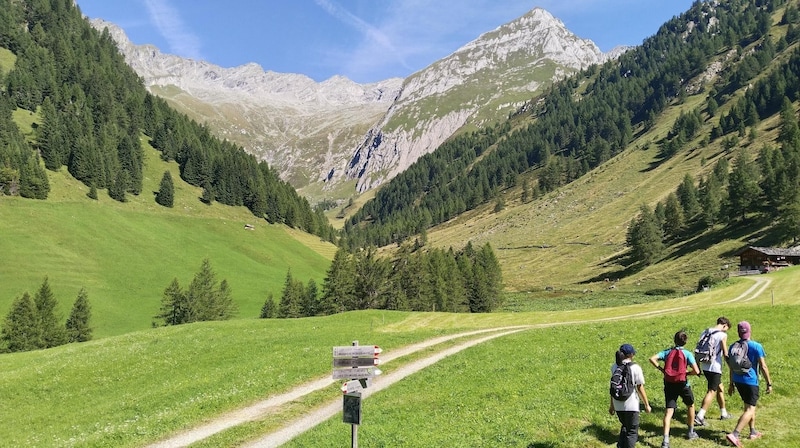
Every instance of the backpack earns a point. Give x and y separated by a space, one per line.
621 382
737 358
705 351
675 366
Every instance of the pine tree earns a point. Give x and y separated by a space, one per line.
290 305
338 288
21 331
743 189
310 298
174 305
711 200
53 334
674 221
268 310
689 197
166 191
78 329
644 238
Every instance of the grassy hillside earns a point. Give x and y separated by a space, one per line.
574 237
544 387
125 255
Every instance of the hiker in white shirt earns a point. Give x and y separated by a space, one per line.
713 370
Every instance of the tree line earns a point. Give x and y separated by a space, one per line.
416 279
94 112
578 124
729 195
32 322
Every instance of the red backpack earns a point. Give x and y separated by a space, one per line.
675 366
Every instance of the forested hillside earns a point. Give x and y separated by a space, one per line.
92 109
593 116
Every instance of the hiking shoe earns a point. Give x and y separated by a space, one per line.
664 444
755 435
724 417
699 421
734 440
692 435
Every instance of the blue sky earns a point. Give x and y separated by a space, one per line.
364 40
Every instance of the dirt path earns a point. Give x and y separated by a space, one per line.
295 427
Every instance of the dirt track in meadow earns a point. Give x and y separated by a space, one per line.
316 416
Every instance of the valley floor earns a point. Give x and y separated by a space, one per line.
308 420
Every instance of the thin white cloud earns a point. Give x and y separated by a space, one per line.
375 36
168 21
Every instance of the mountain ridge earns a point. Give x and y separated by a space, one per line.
323 137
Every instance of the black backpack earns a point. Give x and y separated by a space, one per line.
705 351
621 382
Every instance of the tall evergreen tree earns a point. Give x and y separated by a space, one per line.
743 189
674 221
689 197
78 328
338 288
645 238
174 305
269 309
292 297
21 331
711 199
166 191
53 333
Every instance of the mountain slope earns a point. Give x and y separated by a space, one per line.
324 137
573 238
481 83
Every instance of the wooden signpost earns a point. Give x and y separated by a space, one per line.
358 364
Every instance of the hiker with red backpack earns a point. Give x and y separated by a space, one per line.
676 368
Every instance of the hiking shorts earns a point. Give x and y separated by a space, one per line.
714 380
674 390
748 393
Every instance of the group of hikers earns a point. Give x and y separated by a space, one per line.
745 358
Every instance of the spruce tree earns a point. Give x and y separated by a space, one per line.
53 334
78 328
674 221
166 191
174 307
338 288
645 238
21 331
268 310
743 188
201 294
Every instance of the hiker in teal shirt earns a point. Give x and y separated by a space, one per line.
747 383
676 368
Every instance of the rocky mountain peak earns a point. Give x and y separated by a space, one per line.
337 130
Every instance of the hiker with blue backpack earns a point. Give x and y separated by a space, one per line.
711 350
745 358
676 369
627 387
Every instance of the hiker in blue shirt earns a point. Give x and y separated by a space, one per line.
747 383
676 368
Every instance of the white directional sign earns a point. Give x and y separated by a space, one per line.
356 351
356 373
352 386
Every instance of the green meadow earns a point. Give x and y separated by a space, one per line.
125 255
544 387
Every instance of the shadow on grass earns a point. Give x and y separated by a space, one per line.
602 433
